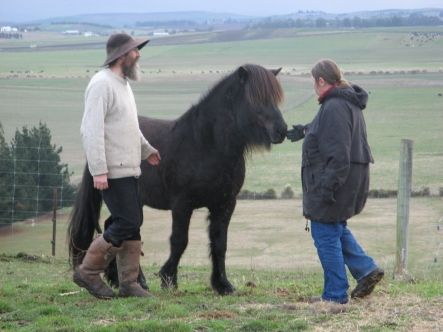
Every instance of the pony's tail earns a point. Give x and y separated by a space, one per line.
84 219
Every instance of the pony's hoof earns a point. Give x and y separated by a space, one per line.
223 288
168 282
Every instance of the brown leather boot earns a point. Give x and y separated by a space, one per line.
128 264
97 258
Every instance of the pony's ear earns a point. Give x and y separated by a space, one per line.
243 74
276 71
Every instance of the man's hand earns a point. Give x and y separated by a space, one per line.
101 182
154 158
297 133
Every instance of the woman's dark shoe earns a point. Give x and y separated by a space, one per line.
315 299
367 284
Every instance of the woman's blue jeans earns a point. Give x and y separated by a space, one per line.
337 247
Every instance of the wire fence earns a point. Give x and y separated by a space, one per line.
31 176
438 254
425 249
26 222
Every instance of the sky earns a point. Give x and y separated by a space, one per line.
26 10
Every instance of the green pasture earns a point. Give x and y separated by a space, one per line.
270 259
36 294
404 82
363 49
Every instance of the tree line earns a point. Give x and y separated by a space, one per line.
30 169
10 35
355 22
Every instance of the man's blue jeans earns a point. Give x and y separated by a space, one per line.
337 247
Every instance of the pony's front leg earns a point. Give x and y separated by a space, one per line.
218 235
181 217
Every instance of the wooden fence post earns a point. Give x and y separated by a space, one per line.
54 221
403 197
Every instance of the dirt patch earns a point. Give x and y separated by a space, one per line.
404 313
378 312
218 314
8 230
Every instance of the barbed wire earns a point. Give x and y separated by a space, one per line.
31 195
439 228
41 199
33 160
33 186
32 147
32 173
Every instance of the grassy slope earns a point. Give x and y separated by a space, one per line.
39 296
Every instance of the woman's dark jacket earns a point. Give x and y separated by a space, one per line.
336 157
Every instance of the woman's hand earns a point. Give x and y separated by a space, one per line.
297 133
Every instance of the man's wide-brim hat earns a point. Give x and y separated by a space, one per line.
121 43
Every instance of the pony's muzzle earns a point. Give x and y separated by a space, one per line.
280 133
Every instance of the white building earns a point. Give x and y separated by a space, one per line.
8 29
161 33
71 32
89 34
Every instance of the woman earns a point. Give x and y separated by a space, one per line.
335 179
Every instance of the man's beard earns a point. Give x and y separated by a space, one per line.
131 70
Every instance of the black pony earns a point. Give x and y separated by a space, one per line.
203 165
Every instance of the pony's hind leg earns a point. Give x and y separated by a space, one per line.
181 217
218 235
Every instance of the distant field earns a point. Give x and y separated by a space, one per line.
264 235
404 82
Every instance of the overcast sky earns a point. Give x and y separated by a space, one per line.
22 10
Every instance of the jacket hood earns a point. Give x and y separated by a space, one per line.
354 94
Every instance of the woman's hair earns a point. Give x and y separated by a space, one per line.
329 71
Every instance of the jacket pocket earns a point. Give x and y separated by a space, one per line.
309 179
303 180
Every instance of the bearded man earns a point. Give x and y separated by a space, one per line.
114 147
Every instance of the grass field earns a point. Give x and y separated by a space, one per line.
37 295
271 260
48 85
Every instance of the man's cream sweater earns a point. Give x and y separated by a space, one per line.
112 140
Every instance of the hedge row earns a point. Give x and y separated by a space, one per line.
288 193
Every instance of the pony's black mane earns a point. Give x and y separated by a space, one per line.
223 105
261 87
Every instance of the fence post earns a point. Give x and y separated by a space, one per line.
54 221
403 196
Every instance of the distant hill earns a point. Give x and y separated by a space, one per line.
199 21
131 19
362 14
